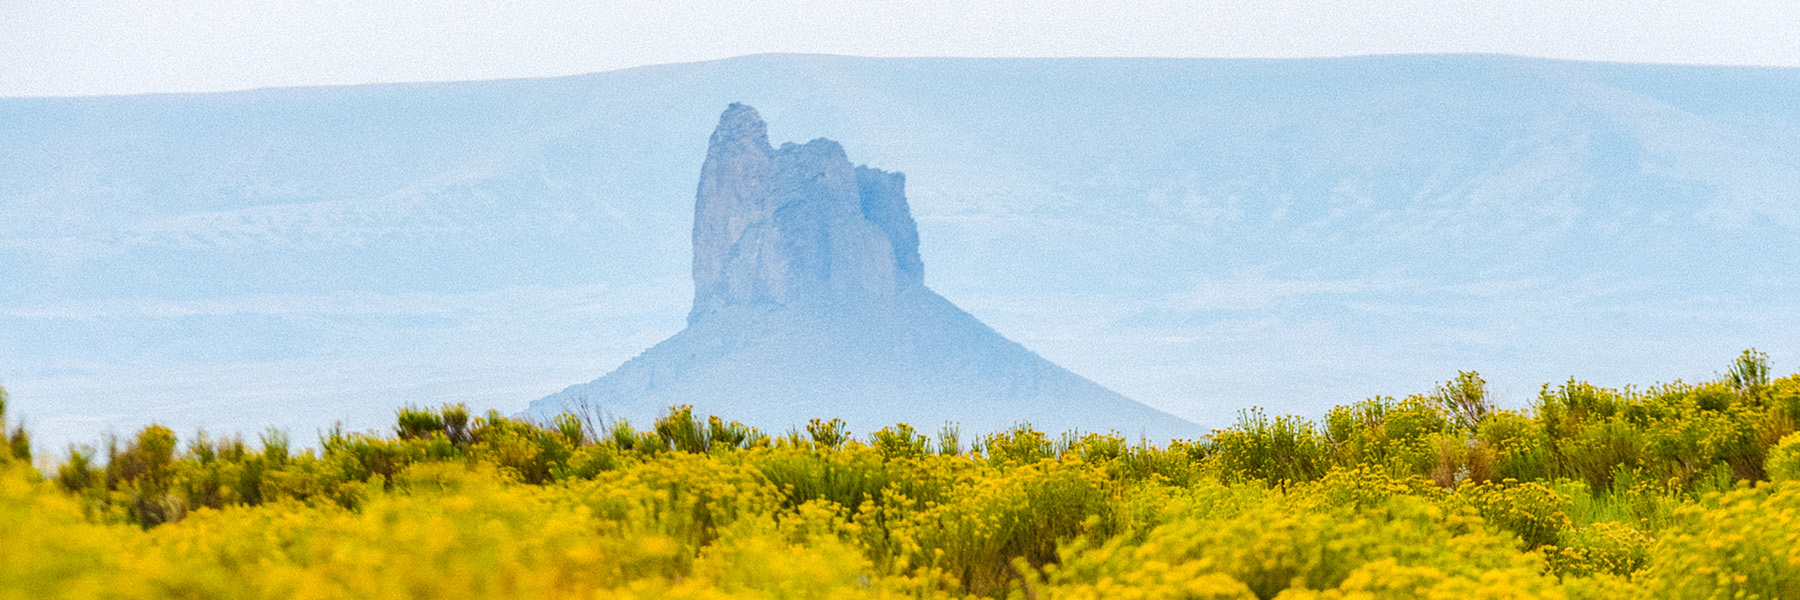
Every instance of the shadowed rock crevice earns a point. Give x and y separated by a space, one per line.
809 301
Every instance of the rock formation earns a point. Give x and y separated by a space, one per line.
796 226
809 301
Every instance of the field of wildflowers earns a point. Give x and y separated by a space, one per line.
1674 491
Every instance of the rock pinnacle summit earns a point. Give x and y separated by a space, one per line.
810 301
796 225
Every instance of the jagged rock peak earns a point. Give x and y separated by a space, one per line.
796 225
809 300
740 122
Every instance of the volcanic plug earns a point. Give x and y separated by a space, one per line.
810 301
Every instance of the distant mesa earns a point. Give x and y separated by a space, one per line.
809 301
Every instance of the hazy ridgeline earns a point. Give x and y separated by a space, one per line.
1673 491
1196 235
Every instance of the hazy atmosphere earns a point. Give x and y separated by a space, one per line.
1236 300
88 47
1200 235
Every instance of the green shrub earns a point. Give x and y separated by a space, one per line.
78 474
529 452
898 441
623 436
418 423
1400 436
1465 399
847 478
360 458
1749 375
1022 445
1520 446
1100 448
681 432
456 423
1284 449
1594 450
588 462
949 439
16 444
1358 432
143 474
1784 404
828 434
1180 463
275 446
1024 512
727 436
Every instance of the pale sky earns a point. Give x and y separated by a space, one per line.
85 47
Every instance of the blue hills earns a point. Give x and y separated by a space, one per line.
1198 235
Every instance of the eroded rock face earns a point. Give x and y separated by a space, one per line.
798 225
809 301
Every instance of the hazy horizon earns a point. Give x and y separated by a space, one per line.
184 46
1346 57
1201 236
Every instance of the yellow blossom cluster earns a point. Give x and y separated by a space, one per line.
1676 492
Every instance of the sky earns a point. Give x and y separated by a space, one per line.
100 47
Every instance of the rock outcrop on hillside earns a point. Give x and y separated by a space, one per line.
796 226
809 301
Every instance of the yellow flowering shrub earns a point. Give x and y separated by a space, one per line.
1022 512
1740 544
48 548
1592 494
1535 512
1282 544
1784 459
1606 547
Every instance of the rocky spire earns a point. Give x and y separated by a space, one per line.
809 300
796 225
